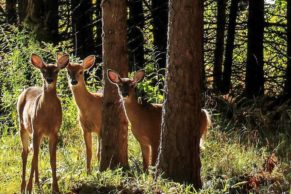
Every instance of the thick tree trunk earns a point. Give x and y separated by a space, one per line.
179 157
82 11
229 47
219 45
160 29
136 39
11 16
42 17
287 88
114 122
254 71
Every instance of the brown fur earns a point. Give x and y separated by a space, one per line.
89 106
145 118
40 114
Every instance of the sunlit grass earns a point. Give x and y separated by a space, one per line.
224 157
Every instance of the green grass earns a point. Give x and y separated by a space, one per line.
224 160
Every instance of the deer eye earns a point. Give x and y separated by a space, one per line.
81 72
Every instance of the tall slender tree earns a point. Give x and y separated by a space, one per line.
287 88
22 9
160 28
98 31
219 45
228 60
179 156
114 123
254 70
42 18
11 15
136 38
82 15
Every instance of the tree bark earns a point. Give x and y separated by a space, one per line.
82 11
99 31
42 17
219 45
287 88
179 156
22 9
114 122
254 70
136 39
229 47
11 16
160 29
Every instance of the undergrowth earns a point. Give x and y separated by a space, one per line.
237 149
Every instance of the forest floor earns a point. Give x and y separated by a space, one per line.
233 161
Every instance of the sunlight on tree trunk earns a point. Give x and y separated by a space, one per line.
179 157
114 130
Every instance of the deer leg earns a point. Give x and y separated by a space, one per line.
145 149
98 149
88 142
36 142
53 151
25 143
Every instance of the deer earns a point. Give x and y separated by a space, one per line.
89 105
145 118
40 115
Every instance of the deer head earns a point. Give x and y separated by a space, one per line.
49 71
125 85
76 71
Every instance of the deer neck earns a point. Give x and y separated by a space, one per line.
81 95
49 90
131 106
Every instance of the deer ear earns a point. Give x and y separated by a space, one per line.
138 76
89 61
37 61
113 77
63 61
59 55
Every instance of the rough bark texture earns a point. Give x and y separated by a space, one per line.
82 11
114 123
287 89
42 17
179 157
219 45
11 16
160 29
136 39
229 47
254 71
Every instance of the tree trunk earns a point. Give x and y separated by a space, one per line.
136 39
22 9
160 29
99 31
82 11
254 70
114 122
42 17
179 156
219 45
98 73
287 88
11 16
229 47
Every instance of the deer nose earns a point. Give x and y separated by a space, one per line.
124 93
49 80
74 82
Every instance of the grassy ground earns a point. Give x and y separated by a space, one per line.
228 166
